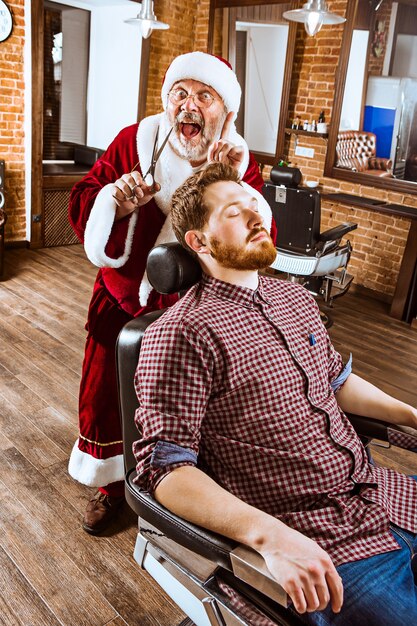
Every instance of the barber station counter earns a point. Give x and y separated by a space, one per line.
404 303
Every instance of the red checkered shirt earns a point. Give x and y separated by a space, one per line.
239 383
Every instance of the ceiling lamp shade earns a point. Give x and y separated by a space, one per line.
313 15
146 19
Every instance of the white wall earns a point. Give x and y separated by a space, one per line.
405 60
115 52
352 100
114 66
265 64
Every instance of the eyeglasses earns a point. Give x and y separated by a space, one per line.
202 99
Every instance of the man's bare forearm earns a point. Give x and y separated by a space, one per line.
191 494
298 563
360 397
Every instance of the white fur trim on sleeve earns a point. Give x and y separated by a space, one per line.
263 206
99 227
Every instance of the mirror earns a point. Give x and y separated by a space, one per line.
259 44
373 137
80 70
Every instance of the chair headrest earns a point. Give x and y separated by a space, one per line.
284 175
171 268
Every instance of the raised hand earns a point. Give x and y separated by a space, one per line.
224 150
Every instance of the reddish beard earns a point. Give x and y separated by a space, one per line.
240 257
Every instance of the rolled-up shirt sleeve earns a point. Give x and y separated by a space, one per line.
339 381
173 383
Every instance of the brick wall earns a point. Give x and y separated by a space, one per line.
376 63
378 242
188 21
11 124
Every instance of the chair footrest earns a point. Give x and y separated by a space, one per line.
340 284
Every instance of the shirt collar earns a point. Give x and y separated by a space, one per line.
226 291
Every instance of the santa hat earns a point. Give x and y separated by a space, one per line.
208 69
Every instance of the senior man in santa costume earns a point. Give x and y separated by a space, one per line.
120 214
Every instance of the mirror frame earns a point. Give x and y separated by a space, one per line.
262 157
390 184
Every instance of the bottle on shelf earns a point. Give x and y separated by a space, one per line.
321 125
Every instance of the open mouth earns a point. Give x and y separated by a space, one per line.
189 129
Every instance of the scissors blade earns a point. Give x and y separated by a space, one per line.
151 171
158 154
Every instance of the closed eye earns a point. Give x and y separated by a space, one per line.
254 205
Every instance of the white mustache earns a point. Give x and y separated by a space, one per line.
192 118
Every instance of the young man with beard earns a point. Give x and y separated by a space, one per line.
120 218
243 431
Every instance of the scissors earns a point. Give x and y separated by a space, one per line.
149 177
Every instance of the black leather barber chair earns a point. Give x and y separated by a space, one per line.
211 578
316 260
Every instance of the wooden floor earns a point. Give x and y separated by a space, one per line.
51 571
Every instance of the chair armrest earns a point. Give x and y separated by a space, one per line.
337 232
245 563
249 566
205 543
395 434
368 427
380 163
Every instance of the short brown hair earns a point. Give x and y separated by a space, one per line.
189 211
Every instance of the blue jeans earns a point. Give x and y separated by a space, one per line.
378 591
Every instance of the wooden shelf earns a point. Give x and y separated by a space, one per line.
372 204
311 133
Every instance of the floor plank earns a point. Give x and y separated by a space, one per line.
19 603
52 572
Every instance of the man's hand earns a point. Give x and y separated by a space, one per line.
131 192
305 571
224 150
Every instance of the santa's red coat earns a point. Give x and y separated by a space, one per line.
97 459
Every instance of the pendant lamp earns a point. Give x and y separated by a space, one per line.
146 19
313 15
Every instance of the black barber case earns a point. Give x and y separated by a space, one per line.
297 216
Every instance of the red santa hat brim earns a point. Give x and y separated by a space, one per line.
208 69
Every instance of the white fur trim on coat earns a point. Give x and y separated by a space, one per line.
98 230
93 472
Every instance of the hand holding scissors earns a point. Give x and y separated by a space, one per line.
224 150
132 190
